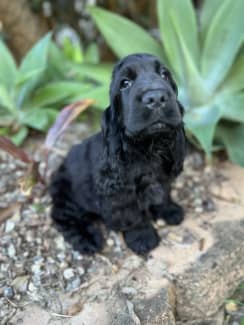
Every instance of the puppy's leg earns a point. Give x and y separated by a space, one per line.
80 231
156 199
141 239
78 226
171 212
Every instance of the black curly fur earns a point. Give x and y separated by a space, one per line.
122 178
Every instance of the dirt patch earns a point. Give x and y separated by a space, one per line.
40 272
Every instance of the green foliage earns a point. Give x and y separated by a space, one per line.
46 80
206 58
75 52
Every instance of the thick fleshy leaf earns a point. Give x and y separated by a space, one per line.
31 70
54 92
35 61
235 79
19 137
191 78
7 67
232 106
91 54
24 93
38 118
99 94
232 135
57 63
63 120
201 122
122 35
5 99
223 40
183 14
207 13
100 73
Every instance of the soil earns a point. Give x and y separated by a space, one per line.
36 263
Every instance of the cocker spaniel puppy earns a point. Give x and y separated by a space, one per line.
121 176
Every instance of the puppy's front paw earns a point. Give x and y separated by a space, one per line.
173 214
141 240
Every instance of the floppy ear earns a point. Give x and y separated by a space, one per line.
173 84
179 151
182 110
111 131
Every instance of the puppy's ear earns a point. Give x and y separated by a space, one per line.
179 152
182 110
106 118
173 84
111 131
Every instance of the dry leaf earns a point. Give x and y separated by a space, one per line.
8 212
63 120
8 146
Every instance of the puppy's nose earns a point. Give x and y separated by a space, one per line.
155 98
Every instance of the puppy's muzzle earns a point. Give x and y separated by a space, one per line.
155 99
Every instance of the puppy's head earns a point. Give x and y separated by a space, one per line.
143 96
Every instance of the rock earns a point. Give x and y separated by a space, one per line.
59 241
81 270
21 283
204 286
129 291
160 223
68 274
110 242
32 287
8 292
218 319
9 226
73 285
11 251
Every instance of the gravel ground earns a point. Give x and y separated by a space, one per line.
35 262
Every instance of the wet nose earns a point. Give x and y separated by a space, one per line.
155 98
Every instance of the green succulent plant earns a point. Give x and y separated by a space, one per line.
45 81
205 53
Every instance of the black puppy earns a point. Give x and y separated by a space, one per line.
122 175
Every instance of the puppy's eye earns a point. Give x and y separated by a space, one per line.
125 83
164 74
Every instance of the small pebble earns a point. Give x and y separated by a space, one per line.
129 291
160 223
21 283
81 270
11 251
36 268
9 226
174 237
8 292
32 287
59 241
110 242
61 256
68 274
199 209
77 256
208 205
74 284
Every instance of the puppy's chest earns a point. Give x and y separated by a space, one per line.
148 169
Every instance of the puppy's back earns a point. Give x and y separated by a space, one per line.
74 181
